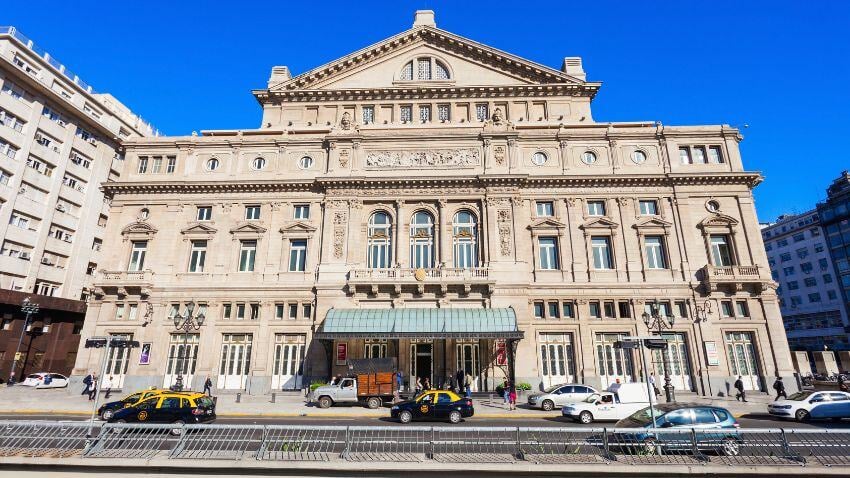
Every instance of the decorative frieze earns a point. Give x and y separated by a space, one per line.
432 158
503 220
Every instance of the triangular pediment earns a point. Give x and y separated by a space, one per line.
547 223
198 228
297 227
718 220
248 228
469 64
139 227
652 222
600 223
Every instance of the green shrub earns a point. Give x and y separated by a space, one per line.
316 384
523 386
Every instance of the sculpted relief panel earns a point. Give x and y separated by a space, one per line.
433 158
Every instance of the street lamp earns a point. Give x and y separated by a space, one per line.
186 323
28 308
655 322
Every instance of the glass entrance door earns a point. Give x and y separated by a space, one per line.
677 363
556 358
288 361
235 361
742 357
117 362
181 360
612 364
421 363
468 361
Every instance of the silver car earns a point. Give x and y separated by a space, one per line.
557 396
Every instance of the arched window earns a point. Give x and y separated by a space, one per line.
379 237
424 68
422 241
465 239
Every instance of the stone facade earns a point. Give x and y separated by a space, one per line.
430 171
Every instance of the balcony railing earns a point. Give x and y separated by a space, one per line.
732 272
126 276
420 275
713 277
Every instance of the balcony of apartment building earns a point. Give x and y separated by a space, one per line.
57 129
732 277
86 146
52 269
123 283
419 279
42 177
17 107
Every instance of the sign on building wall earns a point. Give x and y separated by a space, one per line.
341 353
501 353
711 356
145 355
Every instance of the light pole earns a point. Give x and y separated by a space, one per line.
28 308
655 322
186 323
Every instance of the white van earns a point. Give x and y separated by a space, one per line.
618 402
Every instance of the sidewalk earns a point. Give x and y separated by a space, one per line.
20 400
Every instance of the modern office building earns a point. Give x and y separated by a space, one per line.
59 140
452 206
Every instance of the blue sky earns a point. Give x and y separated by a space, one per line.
781 67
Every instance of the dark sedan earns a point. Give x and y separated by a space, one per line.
177 408
434 405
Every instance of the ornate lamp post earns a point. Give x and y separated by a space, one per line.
28 308
655 322
186 323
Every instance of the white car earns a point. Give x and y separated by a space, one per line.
806 405
560 395
45 380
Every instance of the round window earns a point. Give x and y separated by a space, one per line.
712 206
212 164
306 162
588 157
539 158
638 157
258 163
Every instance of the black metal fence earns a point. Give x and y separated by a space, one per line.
403 444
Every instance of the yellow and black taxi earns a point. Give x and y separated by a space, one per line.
434 405
168 407
108 409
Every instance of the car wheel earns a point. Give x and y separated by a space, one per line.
802 415
585 417
373 402
650 447
325 402
405 416
454 417
547 405
106 415
730 447
179 430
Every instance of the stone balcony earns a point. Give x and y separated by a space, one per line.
398 278
123 283
733 278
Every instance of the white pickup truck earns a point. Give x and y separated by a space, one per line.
617 403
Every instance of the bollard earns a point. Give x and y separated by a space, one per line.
238 397
273 397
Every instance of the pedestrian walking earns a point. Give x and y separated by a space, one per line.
93 387
739 386
779 386
87 381
208 386
506 392
399 380
427 383
418 385
512 396
11 380
654 388
459 378
467 385
108 386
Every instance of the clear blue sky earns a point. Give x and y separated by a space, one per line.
782 67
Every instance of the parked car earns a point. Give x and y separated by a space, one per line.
108 409
618 402
434 405
714 428
178 408
45 380
809 404
560 395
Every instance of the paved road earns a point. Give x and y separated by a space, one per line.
749 421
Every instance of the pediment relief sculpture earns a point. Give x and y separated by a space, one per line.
198 228
652 222
248 228
434 158
718 220
139 228
547 224
297 227
600 223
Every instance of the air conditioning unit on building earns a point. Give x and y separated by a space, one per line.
46 261
60 208
25 256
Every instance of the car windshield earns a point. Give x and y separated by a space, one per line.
592 398
643 416
133 398
800 396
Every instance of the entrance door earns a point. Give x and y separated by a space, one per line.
612 364
742 359
677 363
421 361
288 361
181 361
117 362
468 361
556 358
235 361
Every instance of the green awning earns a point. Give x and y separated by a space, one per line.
434 323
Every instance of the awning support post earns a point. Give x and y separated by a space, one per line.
512 346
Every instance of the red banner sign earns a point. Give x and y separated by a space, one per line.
341 353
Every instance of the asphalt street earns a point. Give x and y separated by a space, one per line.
748 421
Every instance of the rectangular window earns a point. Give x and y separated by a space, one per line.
482 112
308 311
226 310
293 311
793 285
714 155
649 207
595 310
197 256
742 309
240 311
799 237
137 255
406 113
814 297
156 165
782 242
548 253
425 113
721 252
682 308
655 256
172 163
255 311
823 264
143 165
133 312
601 248
788 271
302 211
46 288
443 113
298 255
119 311
806 267
7 149
608 307
810 282
252 212
699 155
785 256
368 114
595 208
568 310
554 310
538 310
796 300
831 294
247 255
278 311
685 155
625 309
726 308
545 209
204 213
827 278
802 252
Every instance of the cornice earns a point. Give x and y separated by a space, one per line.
428 92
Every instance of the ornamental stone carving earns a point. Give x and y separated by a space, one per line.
339 240
503 219
499 155
343 158
444 158
340 217
336 204
345 122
